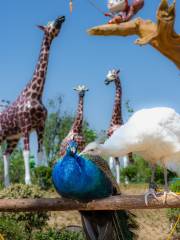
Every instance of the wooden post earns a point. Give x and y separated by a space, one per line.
111 203
160 35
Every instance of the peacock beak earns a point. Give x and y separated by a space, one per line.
73 150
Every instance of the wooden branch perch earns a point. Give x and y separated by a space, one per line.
160 35
111 203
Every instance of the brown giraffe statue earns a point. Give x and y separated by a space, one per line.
28 113
116 120
76 130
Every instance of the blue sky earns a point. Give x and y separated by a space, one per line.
148 78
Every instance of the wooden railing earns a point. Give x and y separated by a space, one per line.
111 203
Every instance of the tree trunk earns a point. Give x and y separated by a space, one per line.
160 35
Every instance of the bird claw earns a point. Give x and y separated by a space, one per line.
166 193
152 192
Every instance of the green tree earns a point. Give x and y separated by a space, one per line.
140 172
129 109
58 125
53 123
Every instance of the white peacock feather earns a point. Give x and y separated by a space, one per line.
153 134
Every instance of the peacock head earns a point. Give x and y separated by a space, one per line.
71 148
112 76
93 148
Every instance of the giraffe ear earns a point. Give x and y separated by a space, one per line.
43 28
118 71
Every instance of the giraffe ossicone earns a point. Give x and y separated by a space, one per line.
27 113
81 88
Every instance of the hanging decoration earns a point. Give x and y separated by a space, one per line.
91 2
122 11
70 6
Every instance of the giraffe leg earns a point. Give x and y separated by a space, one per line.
11 144
117 170
6 170
111 163
26 154
42 160
126 164
125 161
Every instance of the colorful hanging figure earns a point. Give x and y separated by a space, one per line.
70 6
88 178
122 11
27 113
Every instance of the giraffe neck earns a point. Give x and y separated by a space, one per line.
35 88
78 122
116 119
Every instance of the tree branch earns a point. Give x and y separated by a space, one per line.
111 203
160 35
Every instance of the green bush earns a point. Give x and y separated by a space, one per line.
43 177
12 230
55 234
17 170
137 172
30 221
141 172
173 214
130 172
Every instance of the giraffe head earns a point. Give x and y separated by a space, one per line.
81 89
112 76
52 29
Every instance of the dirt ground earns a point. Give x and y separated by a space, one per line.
153 224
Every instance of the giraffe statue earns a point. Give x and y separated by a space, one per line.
75 132
116 120
27 112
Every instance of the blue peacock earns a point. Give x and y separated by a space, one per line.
88 178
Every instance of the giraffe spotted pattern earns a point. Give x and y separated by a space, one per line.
27 113
75 132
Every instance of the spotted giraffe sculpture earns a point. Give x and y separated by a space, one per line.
28 113
76 130
116 120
